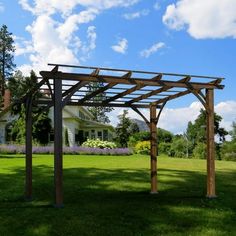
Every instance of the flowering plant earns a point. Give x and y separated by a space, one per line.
97 143
76 150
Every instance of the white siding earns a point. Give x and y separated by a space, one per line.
71 128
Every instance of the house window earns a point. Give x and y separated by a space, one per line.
86 135
79 138
100 135
105 135
51 136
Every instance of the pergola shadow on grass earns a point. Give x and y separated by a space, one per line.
115 201
123 88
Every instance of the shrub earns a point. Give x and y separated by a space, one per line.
228 151
13 149
199 152
164 148
97 143
178 148
143 147
140 136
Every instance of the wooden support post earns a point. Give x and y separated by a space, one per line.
210 144
153 131
58 167
28 151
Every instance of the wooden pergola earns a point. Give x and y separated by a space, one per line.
123 88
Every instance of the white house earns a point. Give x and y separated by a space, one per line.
77 123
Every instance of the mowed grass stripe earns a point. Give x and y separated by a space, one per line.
109 195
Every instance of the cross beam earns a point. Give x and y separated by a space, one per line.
72 89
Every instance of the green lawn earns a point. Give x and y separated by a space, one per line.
110 196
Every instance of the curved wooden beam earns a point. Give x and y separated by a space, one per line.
159 113
138 112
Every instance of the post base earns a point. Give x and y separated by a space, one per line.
153 193
28 199
58 206
211 196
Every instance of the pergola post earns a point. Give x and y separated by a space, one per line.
28 147
153 131
210 144
58 166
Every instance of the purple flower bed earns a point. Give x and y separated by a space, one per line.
15 149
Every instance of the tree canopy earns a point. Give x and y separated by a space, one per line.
124 129
99 113
233 131
196 131
20 85
6 56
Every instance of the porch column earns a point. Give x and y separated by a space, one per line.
210 144
153 131
58 169
28 149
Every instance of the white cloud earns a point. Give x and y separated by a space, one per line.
91 45
106 4
23 48
47 45
227 110
1 7
66 7
55 31
157 6
121 46
71 24
134 15
154 48
170 119
203 19
176 120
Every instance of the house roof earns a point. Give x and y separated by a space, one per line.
86 123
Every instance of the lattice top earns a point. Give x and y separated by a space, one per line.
122 88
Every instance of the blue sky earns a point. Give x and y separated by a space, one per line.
190 37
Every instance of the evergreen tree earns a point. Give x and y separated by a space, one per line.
123 130
99 113
6 56
196 131
134 128
233 132
164 136
19 86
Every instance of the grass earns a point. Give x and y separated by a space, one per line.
109 195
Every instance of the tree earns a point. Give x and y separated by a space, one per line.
199 152
6 56
134 128
20 85
123 129
139 136
228 150
178 147
233 132
99 113
164 136
196 131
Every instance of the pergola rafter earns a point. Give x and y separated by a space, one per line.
122 88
